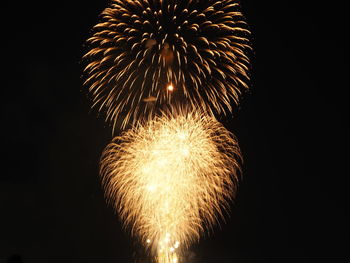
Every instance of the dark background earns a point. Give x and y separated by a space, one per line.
292 203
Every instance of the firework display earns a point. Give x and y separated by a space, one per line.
171 178
162 71
145 54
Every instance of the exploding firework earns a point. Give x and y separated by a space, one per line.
145 54
171 179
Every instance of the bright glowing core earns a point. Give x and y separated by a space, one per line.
170 87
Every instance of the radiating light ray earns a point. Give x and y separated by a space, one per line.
140 46
171 179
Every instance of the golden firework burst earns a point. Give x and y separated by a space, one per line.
145 54
171 178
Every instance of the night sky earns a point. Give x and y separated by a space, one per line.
292 202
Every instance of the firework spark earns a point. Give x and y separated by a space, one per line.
171 179
141 48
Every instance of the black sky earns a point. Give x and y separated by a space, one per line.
292 203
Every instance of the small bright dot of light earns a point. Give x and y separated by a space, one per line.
185 151
182 135
152 188
170 87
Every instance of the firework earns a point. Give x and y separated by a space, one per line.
145 54
171 179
